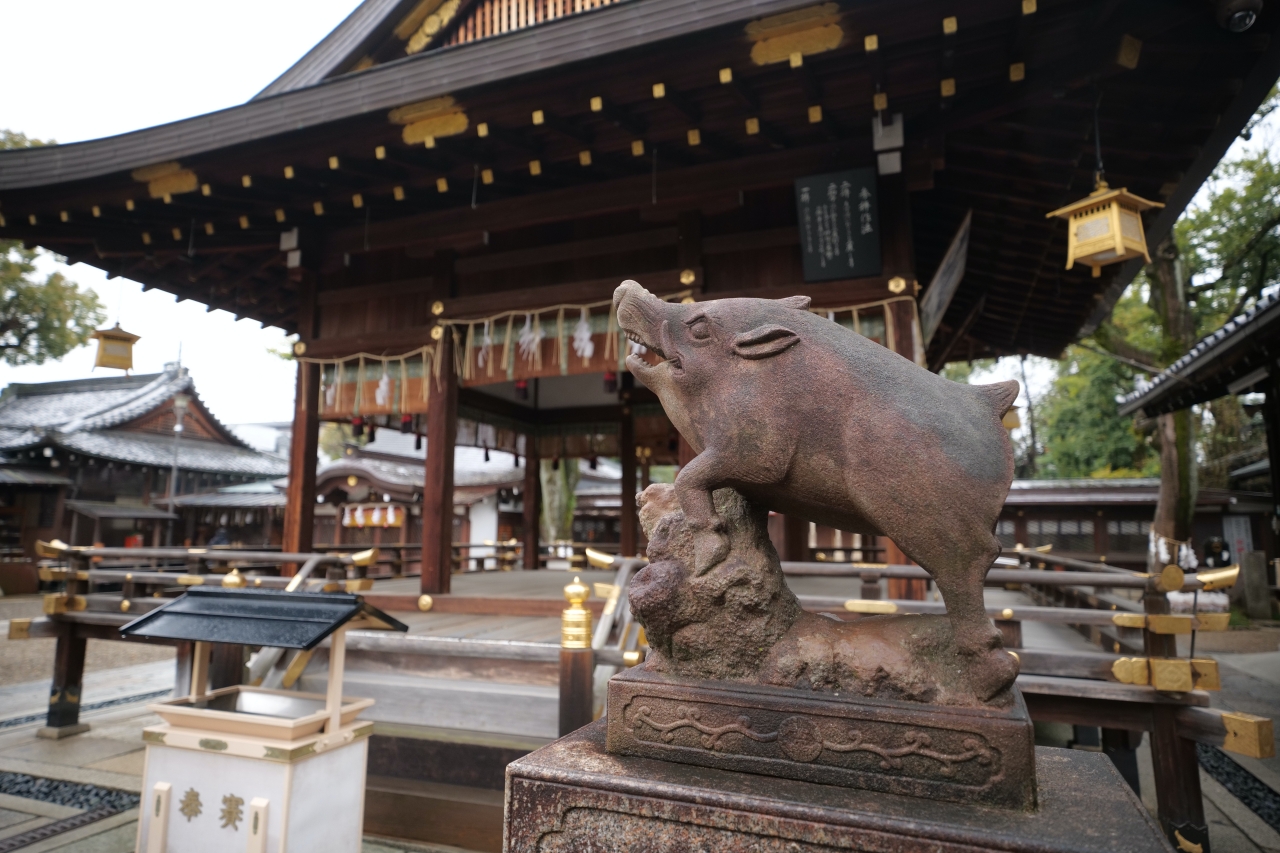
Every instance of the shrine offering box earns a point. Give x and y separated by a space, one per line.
247 768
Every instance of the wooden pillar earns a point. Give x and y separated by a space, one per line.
795 539
905 589
685 452
300 496
577 668
1179 802
183 659
1271 418
226 665
532 500
63 718
627 455
577 660
437 487
1179 806
897 252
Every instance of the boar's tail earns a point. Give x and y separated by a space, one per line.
1001 395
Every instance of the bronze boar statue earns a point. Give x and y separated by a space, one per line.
807 418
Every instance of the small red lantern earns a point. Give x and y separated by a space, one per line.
406 423
522 389
610 382
357 426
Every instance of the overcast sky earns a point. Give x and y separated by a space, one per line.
84 69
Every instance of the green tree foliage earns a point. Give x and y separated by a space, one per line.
39 320
1082 433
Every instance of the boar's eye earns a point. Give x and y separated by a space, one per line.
699 328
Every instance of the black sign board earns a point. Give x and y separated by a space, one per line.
255 617
839 225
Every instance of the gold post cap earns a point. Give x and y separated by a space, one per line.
577 592
599 559
1219 578
575 622
1171 578
49 550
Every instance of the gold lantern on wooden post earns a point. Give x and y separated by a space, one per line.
1105 228
115 348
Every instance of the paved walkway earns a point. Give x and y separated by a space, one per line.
110 754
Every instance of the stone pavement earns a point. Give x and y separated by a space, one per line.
110 754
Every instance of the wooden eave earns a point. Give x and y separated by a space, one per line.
1008 151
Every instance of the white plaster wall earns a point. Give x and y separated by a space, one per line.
484 524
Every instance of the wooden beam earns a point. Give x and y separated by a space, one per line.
570 251
677 185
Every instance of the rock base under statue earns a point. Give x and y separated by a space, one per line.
965 755
573 795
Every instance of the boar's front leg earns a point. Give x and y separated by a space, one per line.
694 485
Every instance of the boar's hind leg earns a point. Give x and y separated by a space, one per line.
693 486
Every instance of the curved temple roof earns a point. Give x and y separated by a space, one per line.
1216 365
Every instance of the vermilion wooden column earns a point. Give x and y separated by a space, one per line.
685 452
300 496
906 589
627 454
437 488
532 500
795 538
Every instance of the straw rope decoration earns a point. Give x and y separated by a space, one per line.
527 346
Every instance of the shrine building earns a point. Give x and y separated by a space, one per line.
439 199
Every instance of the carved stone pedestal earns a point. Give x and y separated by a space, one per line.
573 795
965 755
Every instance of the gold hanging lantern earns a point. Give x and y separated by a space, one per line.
1105 228
115 348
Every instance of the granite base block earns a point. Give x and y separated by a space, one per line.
962 755
573 795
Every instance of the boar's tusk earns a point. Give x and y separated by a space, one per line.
764 341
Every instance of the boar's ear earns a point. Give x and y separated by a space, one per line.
798 302
764 341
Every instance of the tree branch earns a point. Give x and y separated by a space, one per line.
1145 368
1239 256
1258 284
1114 343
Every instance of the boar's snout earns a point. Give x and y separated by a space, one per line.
639 312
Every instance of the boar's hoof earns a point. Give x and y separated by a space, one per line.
992 674
710 547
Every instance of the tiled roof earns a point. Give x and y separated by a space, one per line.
80 416
193 454
1231 332
52 405
232 500
94 404
31 477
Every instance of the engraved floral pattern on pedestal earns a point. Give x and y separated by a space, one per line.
801 739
